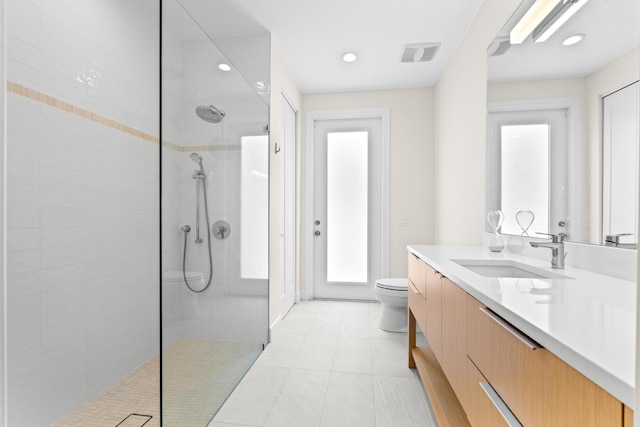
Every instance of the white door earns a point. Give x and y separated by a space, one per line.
348 208
527 161
288 238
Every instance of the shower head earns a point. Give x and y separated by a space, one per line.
198 159
210 114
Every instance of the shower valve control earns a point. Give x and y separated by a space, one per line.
317 233
221 229
317 222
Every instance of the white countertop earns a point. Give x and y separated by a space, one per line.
587 319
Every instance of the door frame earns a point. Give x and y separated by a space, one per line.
574 147
384 114
288 254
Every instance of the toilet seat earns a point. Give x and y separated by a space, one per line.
394 284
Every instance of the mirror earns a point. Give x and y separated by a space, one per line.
528 81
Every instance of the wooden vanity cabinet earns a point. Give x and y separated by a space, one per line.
570 398
511 362
478 361
537 386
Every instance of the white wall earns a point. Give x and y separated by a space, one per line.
281 84
460 131
411 162
82 196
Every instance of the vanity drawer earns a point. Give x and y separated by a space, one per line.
482 409
512 363
537 386
417 272
418 306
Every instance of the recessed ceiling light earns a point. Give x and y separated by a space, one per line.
349 57
224 67
576 38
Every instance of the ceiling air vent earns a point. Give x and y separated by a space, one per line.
499 46
419 52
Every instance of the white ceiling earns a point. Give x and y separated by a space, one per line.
313 34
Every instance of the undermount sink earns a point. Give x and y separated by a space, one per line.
506 269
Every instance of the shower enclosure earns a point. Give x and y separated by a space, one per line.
101 327
215 182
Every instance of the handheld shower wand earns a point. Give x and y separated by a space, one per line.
199 176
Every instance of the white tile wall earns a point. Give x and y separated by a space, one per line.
82 289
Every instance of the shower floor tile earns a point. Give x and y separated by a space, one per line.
198 377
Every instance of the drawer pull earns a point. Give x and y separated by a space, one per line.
413 287
415 256
502 407
531 344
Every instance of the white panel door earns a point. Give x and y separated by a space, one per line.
348 208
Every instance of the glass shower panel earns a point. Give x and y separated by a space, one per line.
82 294
214 213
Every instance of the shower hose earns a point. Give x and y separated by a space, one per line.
184 251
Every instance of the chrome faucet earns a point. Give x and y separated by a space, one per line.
557 248
614 239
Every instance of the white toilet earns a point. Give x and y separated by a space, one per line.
392 294
178 302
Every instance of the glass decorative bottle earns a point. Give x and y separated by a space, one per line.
495 219
524 220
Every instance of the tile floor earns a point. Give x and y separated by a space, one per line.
330 365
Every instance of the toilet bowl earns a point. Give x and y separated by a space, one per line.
392 294
178 302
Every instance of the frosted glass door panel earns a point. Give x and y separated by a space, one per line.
347 207
525 175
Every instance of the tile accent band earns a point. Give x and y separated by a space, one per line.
81 112
105 121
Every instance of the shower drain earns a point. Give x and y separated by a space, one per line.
134 420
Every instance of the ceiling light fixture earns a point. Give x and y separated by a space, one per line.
349 57
571 40
556 19
224 67
531 19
